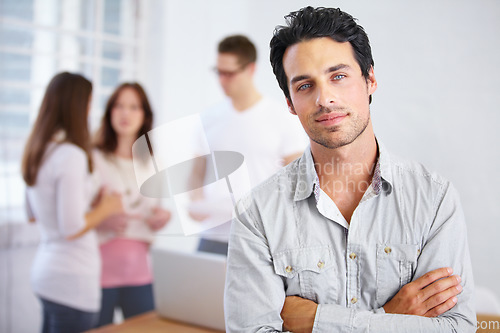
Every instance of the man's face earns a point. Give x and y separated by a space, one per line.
233 76
328 91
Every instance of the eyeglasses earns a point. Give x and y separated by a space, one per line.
229 74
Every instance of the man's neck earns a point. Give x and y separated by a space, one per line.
345 173
246 99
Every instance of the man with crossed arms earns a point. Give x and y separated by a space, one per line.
348 238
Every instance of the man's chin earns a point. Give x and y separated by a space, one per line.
330 144
228 92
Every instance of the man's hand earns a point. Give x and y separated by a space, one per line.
298 314
429 296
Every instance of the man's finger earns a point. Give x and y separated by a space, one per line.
443 296
440 286
442 308
432 276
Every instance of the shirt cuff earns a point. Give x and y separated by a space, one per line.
335 318
332 318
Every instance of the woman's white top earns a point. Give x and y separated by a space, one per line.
65 271
117 174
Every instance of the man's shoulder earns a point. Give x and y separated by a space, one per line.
272 106
415 180
415 170
271 101
217 110
284 124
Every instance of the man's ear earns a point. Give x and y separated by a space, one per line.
371 82
252 67
290 107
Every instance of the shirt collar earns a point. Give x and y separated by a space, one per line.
308 181
306 175
384 163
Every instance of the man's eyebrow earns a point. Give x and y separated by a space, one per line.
337 68
299 78
329 70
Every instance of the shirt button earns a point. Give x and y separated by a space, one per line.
388 250
288 269
321 264
418 251
352 256
354 300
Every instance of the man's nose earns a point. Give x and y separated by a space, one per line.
326 95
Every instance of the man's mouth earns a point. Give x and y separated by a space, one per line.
330 119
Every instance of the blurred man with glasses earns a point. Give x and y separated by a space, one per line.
259 128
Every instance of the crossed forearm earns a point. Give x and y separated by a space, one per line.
430 296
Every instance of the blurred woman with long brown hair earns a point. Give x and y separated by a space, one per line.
56 167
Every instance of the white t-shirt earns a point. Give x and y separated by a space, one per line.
65 271
264 134
117 174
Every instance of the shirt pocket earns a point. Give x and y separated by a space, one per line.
309 273
395 266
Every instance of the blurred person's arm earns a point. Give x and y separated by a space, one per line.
197 178
72 203
293 138
29 209
116 223
290 158
196 181
158 219
109 204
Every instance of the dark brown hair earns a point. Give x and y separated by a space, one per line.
240 46
64 107
309 23
106 139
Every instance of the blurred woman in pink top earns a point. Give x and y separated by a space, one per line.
125 238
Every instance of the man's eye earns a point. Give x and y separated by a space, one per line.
338 77
304 87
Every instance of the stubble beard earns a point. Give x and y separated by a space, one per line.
353 130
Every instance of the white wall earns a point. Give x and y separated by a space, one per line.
437 67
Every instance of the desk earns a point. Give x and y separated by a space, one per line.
151 323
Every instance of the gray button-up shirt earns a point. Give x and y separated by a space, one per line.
284 242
